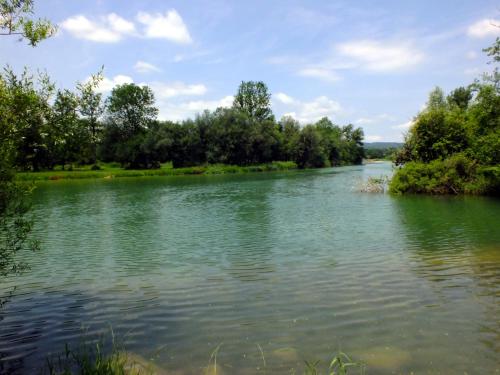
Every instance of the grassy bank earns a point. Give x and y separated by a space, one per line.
112 170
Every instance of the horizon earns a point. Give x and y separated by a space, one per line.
372 66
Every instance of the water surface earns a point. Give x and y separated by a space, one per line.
297 262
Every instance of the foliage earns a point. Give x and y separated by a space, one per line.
61 128
254 100
91 108
454 145
15 19
14 205
381 153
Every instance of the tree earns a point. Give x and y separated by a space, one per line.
15 19
131 108
67 133
290 130
310 154
31 112
254 99
129 115
15 96
454 147
91 108
14 204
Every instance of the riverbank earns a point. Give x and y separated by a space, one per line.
111 170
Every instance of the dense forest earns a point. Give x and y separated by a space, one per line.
453 146
62 127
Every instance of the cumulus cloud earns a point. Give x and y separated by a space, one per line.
284 98
378 56
309 111
112 28
169 26
106 29
107 84
181 111
484 28
145 67
164 90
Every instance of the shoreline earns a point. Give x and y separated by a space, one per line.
111 173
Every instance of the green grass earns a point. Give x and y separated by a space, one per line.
113 170
90 360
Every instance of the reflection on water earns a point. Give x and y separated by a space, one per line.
298 263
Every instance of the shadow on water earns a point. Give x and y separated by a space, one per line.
454 247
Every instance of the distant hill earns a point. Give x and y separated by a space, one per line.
378 145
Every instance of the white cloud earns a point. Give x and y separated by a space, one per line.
373 138
164 90
308 112
378 56
484 28
145 67
169 26
120 25
405 126
182 111
107 29
107 84
321 73
284 98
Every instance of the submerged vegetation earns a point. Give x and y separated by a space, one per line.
95 359
453 146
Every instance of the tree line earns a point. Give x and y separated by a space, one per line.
61 127
453 146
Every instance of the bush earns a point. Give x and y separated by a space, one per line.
454 175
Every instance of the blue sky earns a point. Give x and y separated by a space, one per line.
362 62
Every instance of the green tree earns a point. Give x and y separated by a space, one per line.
16 19
454 147
131 108
31 111
130 113
15 97
68 134
14 196
290 129
91 108
310 153
254 99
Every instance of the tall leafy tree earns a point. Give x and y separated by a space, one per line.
91 108
130 113
131 108
68 134
254 99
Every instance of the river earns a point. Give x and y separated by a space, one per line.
299 264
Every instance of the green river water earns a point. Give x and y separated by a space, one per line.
299 263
